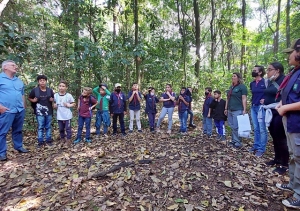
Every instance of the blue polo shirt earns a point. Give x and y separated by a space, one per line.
169 103
134 105
11 92
257 90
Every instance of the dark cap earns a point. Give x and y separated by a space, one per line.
295 44
103 84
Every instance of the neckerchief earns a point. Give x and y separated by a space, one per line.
285 81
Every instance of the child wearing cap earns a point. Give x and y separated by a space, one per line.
102 116
134 98
118 108
289 108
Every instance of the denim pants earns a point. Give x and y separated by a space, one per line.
137 114
44 125
233 124
293 141
220 126
151 118
121 120
190 112
162 115
207 125
260 130
65 127
14 121
183 120
102 117
81 122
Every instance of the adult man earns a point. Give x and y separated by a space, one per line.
12 108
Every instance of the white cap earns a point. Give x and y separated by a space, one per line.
117 84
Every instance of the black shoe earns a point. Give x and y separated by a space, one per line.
49 143
280 170
192 125
140 131
130 131
40 145
22 150
3 158
124 134
272 163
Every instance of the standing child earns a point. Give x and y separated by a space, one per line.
63 101
150 110
289 108
102 116
118 108
134 98
216 111
86 103
42 100
183 102
207 121
190 111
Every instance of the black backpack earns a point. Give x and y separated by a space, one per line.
37 95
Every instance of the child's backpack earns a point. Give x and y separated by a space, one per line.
37 95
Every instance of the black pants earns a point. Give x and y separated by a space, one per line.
121 120
279 139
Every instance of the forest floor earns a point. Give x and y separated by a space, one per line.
157 172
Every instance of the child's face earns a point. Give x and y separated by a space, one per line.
62 87
42 82
102 91
217 96
152 91
85 93
168 88
182 91
135 87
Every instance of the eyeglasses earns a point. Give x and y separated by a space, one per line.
268 70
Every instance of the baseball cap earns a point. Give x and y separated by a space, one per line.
103 84
295 44
117 84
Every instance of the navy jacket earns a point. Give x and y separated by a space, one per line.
206 104
151 104
169 103
182 107
134 105
257 90
291 94
117 103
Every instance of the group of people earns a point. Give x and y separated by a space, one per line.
275 105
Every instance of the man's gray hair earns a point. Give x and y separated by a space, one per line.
6 62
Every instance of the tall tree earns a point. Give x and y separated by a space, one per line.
287 23
243 48
197 36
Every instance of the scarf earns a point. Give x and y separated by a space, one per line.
135 98
286 81
119 98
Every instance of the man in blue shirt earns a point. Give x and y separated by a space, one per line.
12 108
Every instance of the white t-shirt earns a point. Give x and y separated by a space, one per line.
63 112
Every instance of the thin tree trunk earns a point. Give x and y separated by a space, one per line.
3 4
76 47
136 41
243 48
288 29
276 34
114 20
212 34
197 37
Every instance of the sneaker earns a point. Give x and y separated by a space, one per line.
3 158
192 125
284 187
124 134
231 144
292 203
237 146
158 130
169 132
114 134
280 170
105 135
223 138
218 137
252 150
259 154
77 141
272 163
88 140
40 144
140 131
130 131
49 143
183 133
151 129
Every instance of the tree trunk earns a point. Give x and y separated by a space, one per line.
288 29
115 11
136 41
197 37
3 5
76 47
243 48
276 34
212 34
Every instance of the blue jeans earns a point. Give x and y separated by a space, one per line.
233 124
81 122
162 115
102 117
190 112
260 130
44 124
207 125
183 120
14 121
220 126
